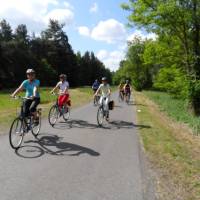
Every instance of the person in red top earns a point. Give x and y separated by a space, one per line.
63 87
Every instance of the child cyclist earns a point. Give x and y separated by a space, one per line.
63 87
31 86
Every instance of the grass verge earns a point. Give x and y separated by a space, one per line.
175 108
9 107
173 152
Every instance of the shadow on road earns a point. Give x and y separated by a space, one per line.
127 125
28 151
75 124
53 145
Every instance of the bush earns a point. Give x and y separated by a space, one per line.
194 96
172 80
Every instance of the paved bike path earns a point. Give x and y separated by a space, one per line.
76 160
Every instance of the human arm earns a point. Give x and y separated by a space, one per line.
18 90
36 88
98 90
55 88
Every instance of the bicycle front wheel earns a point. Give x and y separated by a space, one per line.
16 133
100 116
36 126
53 115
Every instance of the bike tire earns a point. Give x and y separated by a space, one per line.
55 113
36 126
100 116
66 114
17 128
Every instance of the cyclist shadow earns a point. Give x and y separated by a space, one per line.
126 125
53 145
75 124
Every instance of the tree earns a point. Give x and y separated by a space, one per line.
176 21
5 31
21 34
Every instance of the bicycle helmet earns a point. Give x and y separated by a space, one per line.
63 76
104 79
30 71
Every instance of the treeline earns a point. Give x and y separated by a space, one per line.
50 54
170 62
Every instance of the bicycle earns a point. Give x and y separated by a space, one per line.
102 114
96 100
55 112
127 97
23 124
121 96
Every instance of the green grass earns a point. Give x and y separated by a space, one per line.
174 153
175 108
10 107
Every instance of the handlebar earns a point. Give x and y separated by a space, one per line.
19 97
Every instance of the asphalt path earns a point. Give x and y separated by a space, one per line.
78 160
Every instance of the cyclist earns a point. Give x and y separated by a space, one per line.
63 87
105 91
95 85
121 90
31 85
127 89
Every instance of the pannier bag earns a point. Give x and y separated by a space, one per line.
111 105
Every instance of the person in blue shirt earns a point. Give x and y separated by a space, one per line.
95 86
31 86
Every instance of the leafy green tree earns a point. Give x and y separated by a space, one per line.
172 80
175 22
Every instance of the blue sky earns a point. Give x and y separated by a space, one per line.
94 25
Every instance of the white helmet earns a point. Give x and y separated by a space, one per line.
30 71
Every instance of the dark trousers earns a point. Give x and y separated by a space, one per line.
30 106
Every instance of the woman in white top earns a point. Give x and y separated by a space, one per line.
63 87
105 91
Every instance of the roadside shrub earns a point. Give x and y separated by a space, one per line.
194 96
172 80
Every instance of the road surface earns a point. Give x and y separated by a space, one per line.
78 160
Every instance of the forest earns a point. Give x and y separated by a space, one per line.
49 53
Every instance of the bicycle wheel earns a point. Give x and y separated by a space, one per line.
36 126
16 133
66 113
100 116
128 98
53 115
120 98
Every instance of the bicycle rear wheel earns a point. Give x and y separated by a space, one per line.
53 115
16 133
36 126
100 116
66 113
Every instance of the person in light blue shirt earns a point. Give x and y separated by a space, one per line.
31 86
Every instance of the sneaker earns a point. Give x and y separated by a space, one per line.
107 119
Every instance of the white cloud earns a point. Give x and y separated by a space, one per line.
111 59
142 35
84 30
62 15
34 13
111 31
94 8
